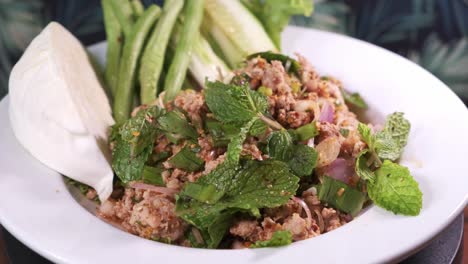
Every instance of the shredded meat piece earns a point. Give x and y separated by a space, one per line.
191 102
146 214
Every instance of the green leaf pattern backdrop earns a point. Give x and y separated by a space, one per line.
432 33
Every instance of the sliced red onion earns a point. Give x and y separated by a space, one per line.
320 221
149 187
197 235
306 209
340 169
327 113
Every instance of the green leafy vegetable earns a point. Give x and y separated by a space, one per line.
395 189
139 131
134 143
153 175
177 126
230 103
362 168
290 65
128 167
279 145
341 196
388 143
248 188
221 133
307 132
275 14
398 127
354 99
258 128
235 146
303 160
186 159
279 238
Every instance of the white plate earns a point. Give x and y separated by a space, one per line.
37 208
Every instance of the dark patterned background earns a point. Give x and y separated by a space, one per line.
433 33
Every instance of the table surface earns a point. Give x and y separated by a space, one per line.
446 248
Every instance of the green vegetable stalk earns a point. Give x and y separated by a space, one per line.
114 37
193 14
131 54
153 57
123 10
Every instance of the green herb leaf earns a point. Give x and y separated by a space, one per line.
126 166
361 167
230 103
291 65
139 131
344 132
341 196
279 145
303 160
248 188
221 133
258 128
398 127
235 146
386 147
186 159
395 189
176 126
134 143
279 238
354 99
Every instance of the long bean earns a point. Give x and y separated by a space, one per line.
193 13
137 8
124 12
127 71
153 56
114 45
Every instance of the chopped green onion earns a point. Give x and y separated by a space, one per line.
153 175
307 132
187 160
341 196
265 91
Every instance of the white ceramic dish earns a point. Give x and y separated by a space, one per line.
36 206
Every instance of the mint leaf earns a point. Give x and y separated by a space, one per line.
398 127
279 238
300 158
127 166
258 128
354 99
303 160
366 135
291 65
140 130
176 126
134 143
186 159
361 167
235 146
245 188
231 103
395 189
386 147
279 145
221 133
